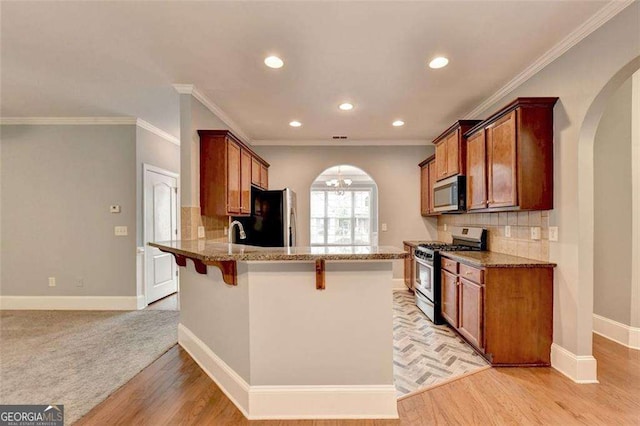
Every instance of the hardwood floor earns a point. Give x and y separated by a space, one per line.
174 391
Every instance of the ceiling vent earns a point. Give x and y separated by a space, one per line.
339 137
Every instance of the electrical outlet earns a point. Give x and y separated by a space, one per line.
226 230
52 281
114 208
553 233
121 231
535 232
445 227
79 282
201 233
384 227
507 231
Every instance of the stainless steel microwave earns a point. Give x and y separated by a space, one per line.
449 195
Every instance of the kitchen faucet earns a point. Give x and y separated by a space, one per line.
242 234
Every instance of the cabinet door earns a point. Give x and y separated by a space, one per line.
501 160
453 153
408 267
449 297
424 190
245 181
476 171
255 171
471 312
433 176
264 177
233 177
441 160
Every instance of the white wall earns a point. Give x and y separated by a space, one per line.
394 168
57 185
577 78
612 236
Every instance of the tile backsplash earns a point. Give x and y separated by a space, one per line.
190 219
520 242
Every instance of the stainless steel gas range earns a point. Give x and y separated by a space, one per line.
427 270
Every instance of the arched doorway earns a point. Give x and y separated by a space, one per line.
344 208
586 206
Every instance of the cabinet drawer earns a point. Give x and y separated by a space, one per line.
472 274
450 265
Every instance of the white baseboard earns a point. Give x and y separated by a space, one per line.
291 402
579 368
618 332
72 303
398 284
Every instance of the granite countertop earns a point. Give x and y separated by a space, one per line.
216 251
489 259
415 243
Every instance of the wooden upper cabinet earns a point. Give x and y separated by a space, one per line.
233 177
518 144
227 173
454 163
501 162
441 160
245 181
255 172
264 177
476 171
425 197
427 179
451 149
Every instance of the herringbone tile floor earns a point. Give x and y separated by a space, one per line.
425 354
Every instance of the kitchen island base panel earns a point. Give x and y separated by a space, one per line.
281 349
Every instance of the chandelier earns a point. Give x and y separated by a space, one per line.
339 184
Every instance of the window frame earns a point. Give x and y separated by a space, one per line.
352 190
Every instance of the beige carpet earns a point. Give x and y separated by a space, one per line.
77 358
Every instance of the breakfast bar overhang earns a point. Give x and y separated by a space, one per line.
294 332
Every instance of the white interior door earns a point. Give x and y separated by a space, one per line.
160 224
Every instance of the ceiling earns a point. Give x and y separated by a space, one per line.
122 58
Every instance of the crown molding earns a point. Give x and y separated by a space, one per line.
157 131
71 121
601 17
341 142
190 89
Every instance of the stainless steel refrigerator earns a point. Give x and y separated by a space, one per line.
273 219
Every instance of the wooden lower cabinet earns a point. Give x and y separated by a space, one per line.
449 293
507 316
471 312
408 267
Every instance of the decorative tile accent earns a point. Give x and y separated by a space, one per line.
425 354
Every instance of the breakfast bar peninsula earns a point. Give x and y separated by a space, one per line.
291 332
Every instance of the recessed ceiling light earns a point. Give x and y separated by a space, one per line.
346 106
398 123
295 124
273 62
439 62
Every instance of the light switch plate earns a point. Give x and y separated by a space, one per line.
201 233
507 231
553 233
114 208
384 227
535 232
445 227
52 281
121 231
226 230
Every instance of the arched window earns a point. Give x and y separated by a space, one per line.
344 208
